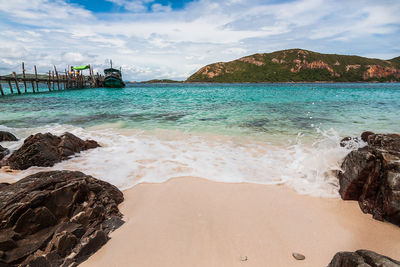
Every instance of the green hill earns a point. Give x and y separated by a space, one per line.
298 65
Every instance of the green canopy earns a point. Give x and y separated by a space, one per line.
83 67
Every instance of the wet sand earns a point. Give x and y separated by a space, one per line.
190 221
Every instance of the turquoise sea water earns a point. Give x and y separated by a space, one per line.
260 133
262 110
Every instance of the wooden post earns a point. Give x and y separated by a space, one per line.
73 80
48 83
66 80
58 78
23 75
1 89
52 73
16 82
36 79
33 86
10 85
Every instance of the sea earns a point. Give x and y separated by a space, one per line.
287 134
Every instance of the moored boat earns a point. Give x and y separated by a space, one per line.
113 78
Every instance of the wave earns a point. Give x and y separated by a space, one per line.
129 157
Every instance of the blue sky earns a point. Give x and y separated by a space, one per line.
172 39
100 6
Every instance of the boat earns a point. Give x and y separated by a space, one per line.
113 78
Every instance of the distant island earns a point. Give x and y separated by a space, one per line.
161 81
299 65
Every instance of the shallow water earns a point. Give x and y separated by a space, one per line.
262 133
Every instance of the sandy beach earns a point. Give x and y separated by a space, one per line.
190 221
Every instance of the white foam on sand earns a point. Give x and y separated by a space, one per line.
129 157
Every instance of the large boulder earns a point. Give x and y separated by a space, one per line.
56 218
362 258
45 150
371 175
6 136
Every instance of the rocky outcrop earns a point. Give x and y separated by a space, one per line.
352 67
3 152
56 218
376 71
371 175
303 64
252 60
45 150
362 258
6 136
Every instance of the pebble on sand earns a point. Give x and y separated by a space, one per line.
298 256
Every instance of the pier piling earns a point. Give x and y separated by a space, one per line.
23 75
16 82
10 86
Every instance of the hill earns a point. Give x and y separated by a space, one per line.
298 65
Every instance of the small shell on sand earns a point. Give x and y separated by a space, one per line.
298 256
243 258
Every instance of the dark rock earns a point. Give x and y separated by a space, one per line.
112 223
3 184
28 245
389 142
3 152
90 245
62 243
39 261
45 150
33 220
56 218
371 175
362 258
364 135
6 136
7 243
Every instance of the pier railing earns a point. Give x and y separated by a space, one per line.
53 80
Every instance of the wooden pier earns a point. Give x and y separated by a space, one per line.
55 80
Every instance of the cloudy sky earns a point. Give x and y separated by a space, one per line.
173 38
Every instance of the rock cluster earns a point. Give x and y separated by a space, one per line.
56 218
362 258
371 175
45 150
6 136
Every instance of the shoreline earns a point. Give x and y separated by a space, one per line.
190 221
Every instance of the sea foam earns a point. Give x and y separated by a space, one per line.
127 158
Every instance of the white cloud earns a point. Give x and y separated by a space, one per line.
150 40
161 8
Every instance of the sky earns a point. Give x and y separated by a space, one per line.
172 39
